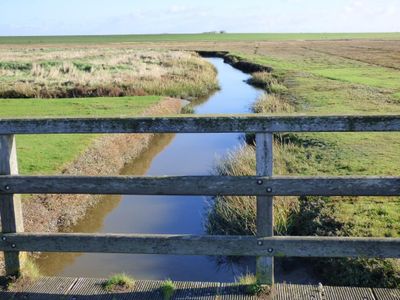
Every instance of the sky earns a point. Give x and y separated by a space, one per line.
90 17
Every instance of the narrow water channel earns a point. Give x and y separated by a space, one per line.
181 154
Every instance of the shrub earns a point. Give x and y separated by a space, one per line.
168 289
119 282
251 286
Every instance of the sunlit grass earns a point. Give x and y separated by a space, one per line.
91 72
168 289
48 153
119 282
192 37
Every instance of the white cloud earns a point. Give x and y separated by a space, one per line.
177 9
252 16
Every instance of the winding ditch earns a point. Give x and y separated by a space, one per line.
181 154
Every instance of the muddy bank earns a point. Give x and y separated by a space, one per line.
107 155
185 154
236 61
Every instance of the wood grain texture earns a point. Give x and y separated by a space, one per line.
92 288
202 185
203 245
265 205
203 124
10 204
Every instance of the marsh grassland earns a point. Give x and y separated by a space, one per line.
312 74
57 82
96 72
324 78
90 82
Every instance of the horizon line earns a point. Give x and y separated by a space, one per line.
202 33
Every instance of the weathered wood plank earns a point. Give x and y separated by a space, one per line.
196 290
387 294
203 124
202 185
346 293
43 288
203 245
285 291
10 204
85 288
233 291
265 205
82 288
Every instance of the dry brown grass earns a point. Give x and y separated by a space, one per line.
106 156
272 103
236 215
80 72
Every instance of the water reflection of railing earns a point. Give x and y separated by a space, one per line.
265 186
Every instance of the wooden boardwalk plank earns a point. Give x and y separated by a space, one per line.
231 291
345 293
43 289
147 289
88 287
91 288
196 290
297 292
387 294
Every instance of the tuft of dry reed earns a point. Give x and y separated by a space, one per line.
272 103
75 72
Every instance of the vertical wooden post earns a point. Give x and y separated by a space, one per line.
265 205
10 205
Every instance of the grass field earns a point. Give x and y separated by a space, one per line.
46 154
192 37
89 72
106 75
325 78
98 71
315 74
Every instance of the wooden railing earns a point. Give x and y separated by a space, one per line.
265 186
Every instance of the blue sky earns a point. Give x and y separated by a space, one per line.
64 17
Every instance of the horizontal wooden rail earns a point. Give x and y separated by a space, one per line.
203 124
202 245
202 185
264 245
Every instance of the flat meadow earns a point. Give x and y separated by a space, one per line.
318 74
90 82
97 72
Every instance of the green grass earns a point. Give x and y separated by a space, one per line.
29 273
371 76
334 68
252 287
249 282
320 95
29 269
46 154
352 154
192 37
119 282
168 289
75 107
318 83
